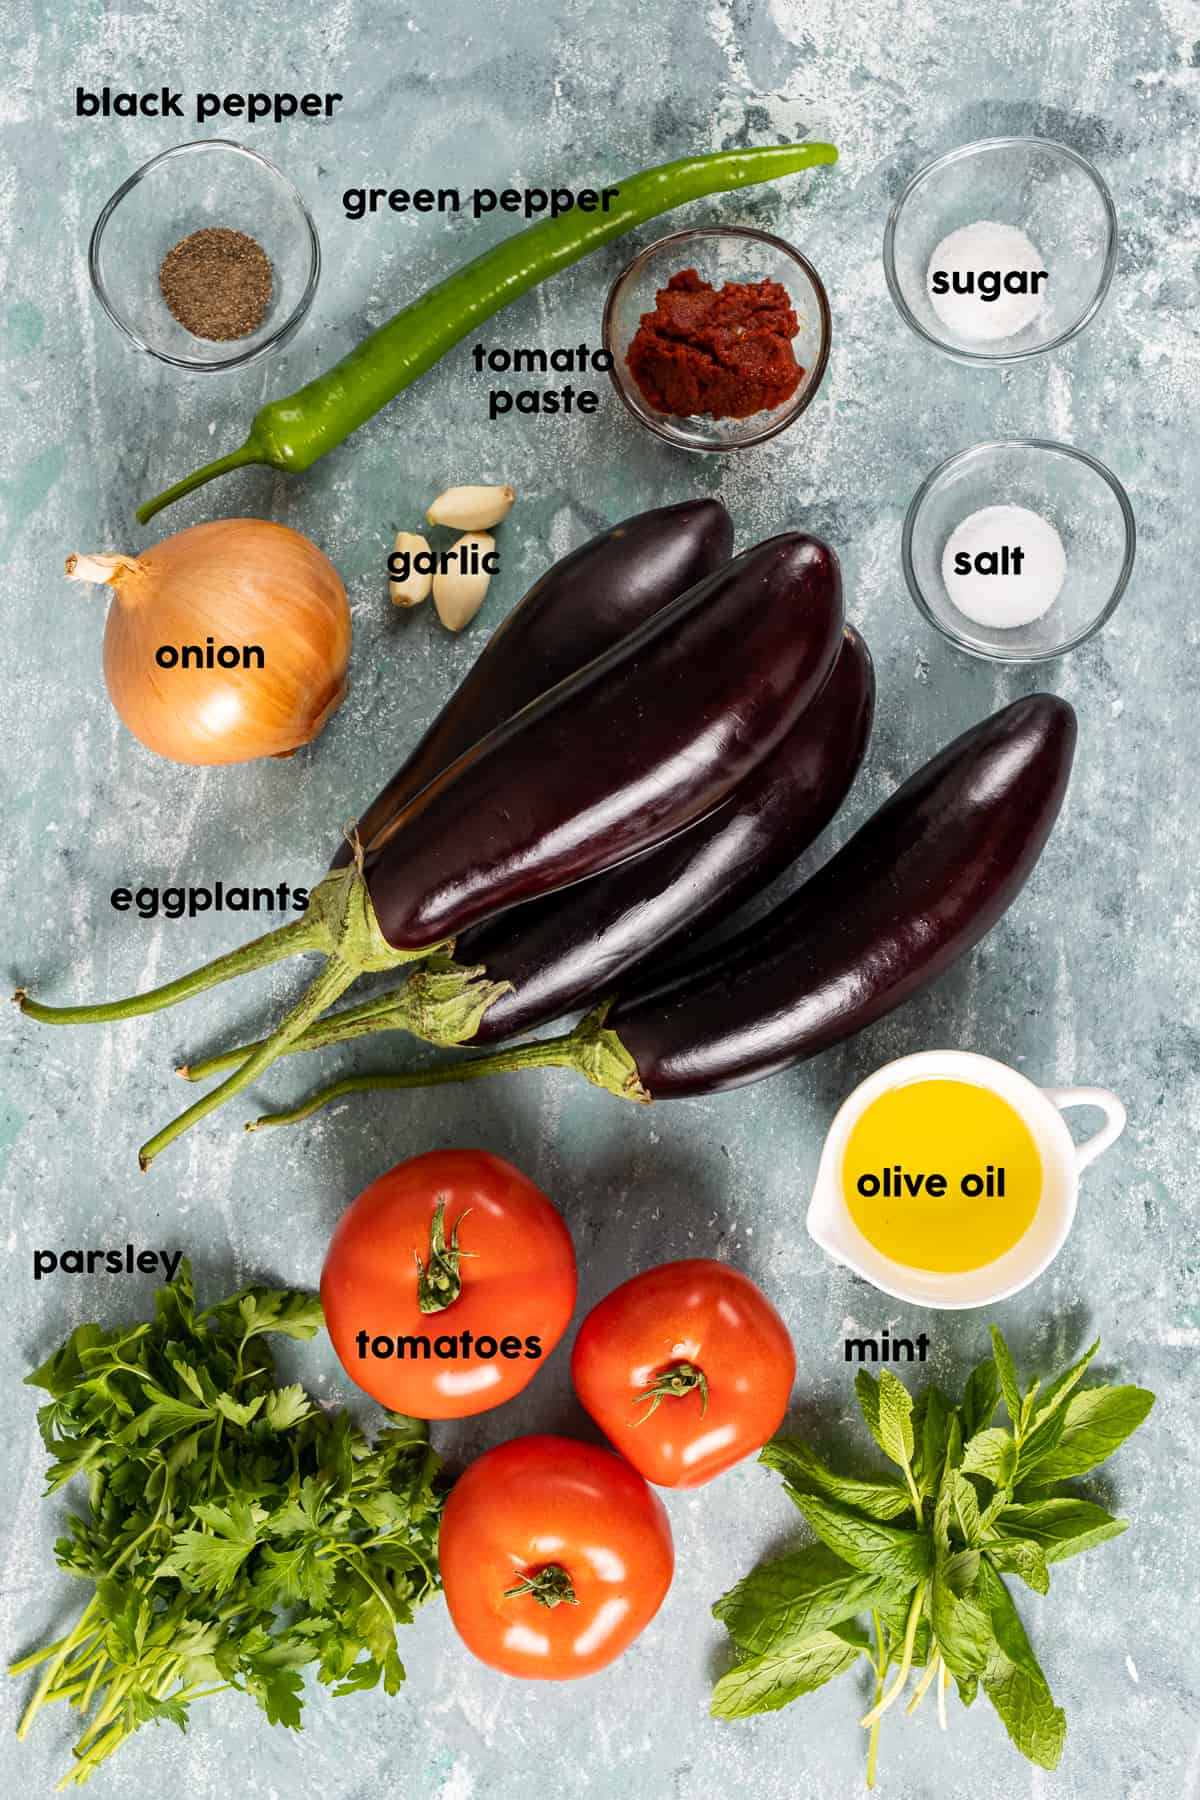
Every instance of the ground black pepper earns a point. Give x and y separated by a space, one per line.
217 283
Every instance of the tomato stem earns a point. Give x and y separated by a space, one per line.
673 1383
439 1285
550 1586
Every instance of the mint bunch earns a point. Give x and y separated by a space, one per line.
926 1556
236 1532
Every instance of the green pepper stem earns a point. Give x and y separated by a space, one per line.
250 452
384 1012
334 979
548 1053
289 940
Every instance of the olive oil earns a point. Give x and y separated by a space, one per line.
941 1175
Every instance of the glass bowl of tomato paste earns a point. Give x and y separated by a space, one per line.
718 337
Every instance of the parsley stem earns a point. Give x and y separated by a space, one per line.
67 1644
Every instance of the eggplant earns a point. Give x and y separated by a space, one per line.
645 740
588 601
553 956
918 886
556 954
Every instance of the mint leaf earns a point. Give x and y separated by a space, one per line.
992 1454
1060 1389
932 1415
805 1473
962 1629
793 1596
1014 1683
1062 1527
899 1558
1007 1376
866 1389
895 1431
1044 1437
1021 1556
765 1683
1096 1422
965 1509
980 1399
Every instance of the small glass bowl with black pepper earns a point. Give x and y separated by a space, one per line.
207 257
720 254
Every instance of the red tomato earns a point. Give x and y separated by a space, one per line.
686 1369
447 1283
554 1556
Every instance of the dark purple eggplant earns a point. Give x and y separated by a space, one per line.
647 739
557 954
553 956
916 888
912 892
588 601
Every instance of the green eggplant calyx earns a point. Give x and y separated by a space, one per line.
341 903
440 1284
445 1002
599 1055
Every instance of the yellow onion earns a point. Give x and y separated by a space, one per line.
239 586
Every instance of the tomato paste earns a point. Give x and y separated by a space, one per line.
726 352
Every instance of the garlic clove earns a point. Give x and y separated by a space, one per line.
411 589
471 508
458 593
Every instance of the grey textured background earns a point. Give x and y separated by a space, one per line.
1092 977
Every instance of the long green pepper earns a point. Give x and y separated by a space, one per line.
293 433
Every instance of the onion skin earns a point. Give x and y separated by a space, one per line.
240 582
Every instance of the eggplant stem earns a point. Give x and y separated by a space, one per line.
384 1012
334 979
547 1053
288 940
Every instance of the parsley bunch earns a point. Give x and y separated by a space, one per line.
235 1532
926 1557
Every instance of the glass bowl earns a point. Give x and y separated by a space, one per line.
1052 194
1084 502
719 253
211 182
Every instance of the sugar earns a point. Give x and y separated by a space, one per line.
995 260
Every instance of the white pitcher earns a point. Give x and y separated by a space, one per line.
832 1227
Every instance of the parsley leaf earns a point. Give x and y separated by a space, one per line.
236 1533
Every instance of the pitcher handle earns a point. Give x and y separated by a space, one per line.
1109 1132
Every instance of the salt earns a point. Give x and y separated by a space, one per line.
1002 590
1006 275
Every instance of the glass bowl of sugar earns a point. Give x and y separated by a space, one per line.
1001 249
1018 550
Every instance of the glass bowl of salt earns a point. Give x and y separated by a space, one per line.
1001 249
1018 550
